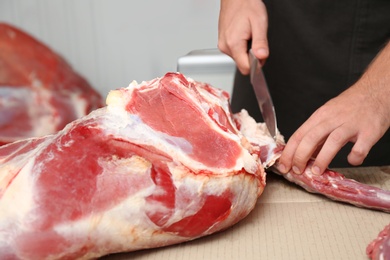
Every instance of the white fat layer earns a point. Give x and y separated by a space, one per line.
79 104
46 122
17 199
258 133
383 196
12 98
16 202
45 116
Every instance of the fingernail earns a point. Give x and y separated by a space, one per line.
262 52
282 168
296 170
316 170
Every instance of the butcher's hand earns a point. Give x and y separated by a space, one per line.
361 115
240 21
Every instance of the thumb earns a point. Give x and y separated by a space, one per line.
259 38
260 45
261 52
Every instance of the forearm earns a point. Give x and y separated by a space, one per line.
375 82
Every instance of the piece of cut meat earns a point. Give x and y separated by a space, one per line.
39 92
379 248
163 163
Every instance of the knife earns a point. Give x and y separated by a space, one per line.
262 94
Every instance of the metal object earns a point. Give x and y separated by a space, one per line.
209 65
262 94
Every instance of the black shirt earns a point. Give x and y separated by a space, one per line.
318 48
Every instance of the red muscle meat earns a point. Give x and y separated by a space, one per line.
163 163
379 248
39 92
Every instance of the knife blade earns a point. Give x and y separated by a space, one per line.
262 94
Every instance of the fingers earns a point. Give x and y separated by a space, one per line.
328 140
288 154
324 137
240 55
237 49
358 153
234 43
337 139
303 144
362 147
240 21
334 142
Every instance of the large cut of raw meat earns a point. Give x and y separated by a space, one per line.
165 162
162 164
39 92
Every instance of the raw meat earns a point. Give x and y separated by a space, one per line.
39 92
379 248
163 163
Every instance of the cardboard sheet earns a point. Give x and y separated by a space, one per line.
289 223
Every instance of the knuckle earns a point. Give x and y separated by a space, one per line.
299 160
263 19
359 152
243 69
371 135
297 137
353 160
312 137
337 137
259 42
260 19
322 111
222 46
231 42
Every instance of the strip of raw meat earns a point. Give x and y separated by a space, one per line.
163 163
331 184
379 248
39 92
